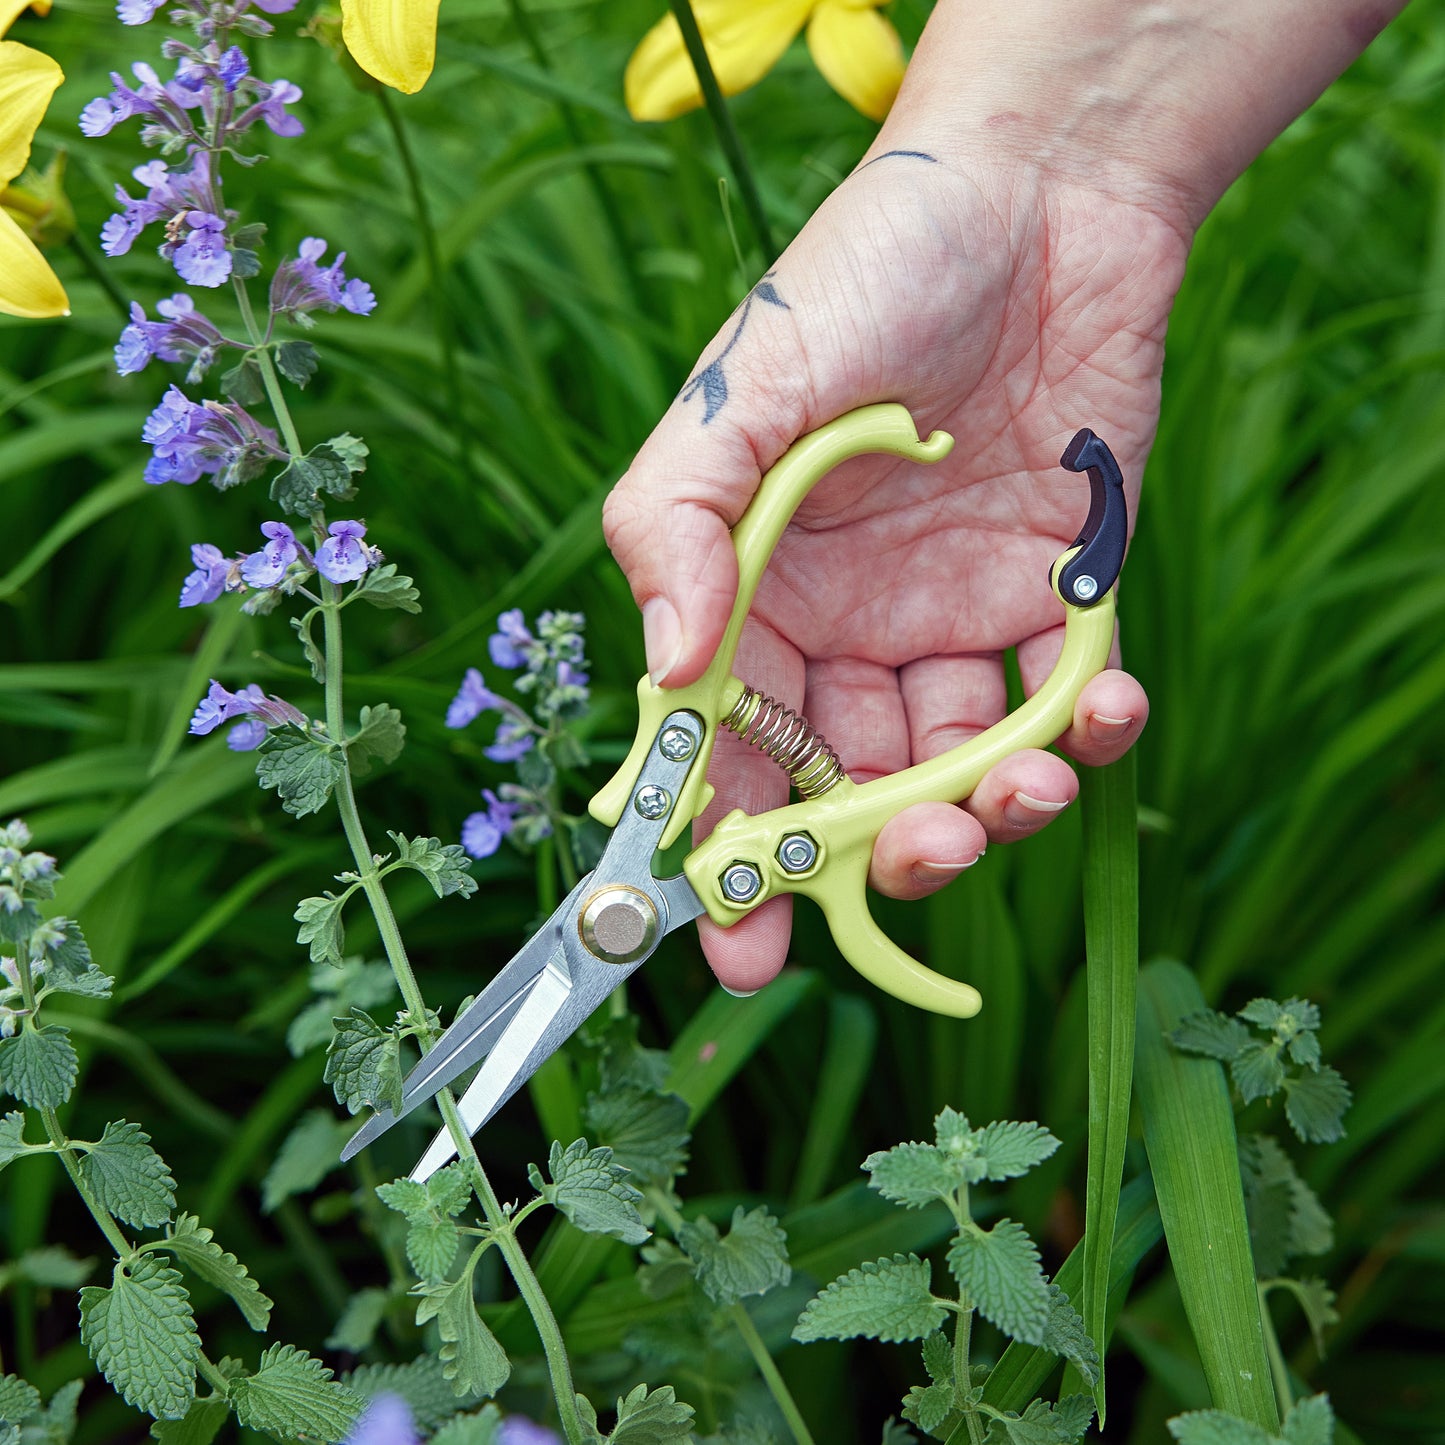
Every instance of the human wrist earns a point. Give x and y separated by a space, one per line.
1160 105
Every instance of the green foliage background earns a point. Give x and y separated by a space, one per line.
1282 604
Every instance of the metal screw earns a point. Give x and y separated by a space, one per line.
1085 587
618 924
742 883
676 744
797 853
652 801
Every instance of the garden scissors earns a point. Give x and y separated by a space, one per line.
611 923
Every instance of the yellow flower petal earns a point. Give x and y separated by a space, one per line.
859 53
743 40
9 9
28 287
394 40
27 81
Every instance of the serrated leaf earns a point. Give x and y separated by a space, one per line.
52 1266
1315 1104
929 1407
421 1383
938 1358
1257 1071
471 1357
359 1322
751 1259
243 384
297 361
646 1130
386 588
56 1425
380 739
444 865
482 1428
321 928
66 952
885 1299
1310 1422
1214 1427
12 1142
1036 1426
18 1400
1317 1302
592 1191
1269 1177
310 1152
1065 1334
1000 1270
895 1433
913 1175
302 769
352 451
128 1177
198 1426
1073 1415
141 1333
91 983
650 1417
432 1238
363 1063
299 487
315 658
291 1394
195 1247
1215 1035
1304 1049
353 983
1009 1149
38 1065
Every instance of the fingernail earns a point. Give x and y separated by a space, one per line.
738 992
930 874
1024 812
662 637
1108 729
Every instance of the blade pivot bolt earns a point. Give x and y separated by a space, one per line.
797 853
676 744
618 924
651 801
1085 587
741 883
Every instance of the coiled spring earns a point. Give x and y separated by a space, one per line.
788 739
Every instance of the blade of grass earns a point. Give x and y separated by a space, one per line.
847 1062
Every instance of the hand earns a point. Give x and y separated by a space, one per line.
1000 305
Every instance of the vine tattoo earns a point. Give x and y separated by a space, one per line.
711 382
900 155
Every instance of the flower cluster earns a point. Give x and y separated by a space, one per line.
301 286
280 567
20 872
191 440
551 666
184 335
260 713
387 1421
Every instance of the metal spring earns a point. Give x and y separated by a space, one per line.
788 739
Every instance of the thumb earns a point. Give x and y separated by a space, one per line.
668 519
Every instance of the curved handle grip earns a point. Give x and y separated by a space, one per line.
886 428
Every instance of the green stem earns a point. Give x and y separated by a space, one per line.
722 122
269 378
768 1368
98 1212
1277 1367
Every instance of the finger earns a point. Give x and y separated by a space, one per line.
1110 711
1022 794
924 847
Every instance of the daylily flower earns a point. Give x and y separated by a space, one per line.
28 287
857 50
393 40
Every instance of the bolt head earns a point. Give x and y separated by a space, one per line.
741 883
676 744
797 853
618 924
652 801
1085 587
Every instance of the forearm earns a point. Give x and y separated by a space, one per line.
1162 103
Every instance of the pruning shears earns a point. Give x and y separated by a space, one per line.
612 922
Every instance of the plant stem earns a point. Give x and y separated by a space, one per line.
722 122
768 1368
101 1215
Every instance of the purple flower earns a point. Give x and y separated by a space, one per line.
246 736
301 285
202 257
186 333
211 438
197 70
343 556
386 1421
514 737
472 699
271 101
208 581
507 643
519 1430
482 833
137 12
219 706
268 566
170 195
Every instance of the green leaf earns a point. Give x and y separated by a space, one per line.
938 1358
363 1063
56 1425
913 1175
471 1357
380 739
141 1333
386 588
1304 1049
321 927
1009 1149
1073 1415
324 468
353 983
930 1407
359 1322
885 1299
480 1428
432 1238
1214 1427
352 451
18 1400
38 1065
297 361
1065 1334
751 1259
12 1142
195 1247
1317 1301
644 1417
1285 1215
1310 1422
1000 1270
310 1152
51 1266
646 1130
90 984
421 1383
291 1394
128 1177
1315 1105
243 384
1215 1035
65 950
444 865
315 658
1257 1071
198 1426
1038 1425
592 1191
302 769
19 923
